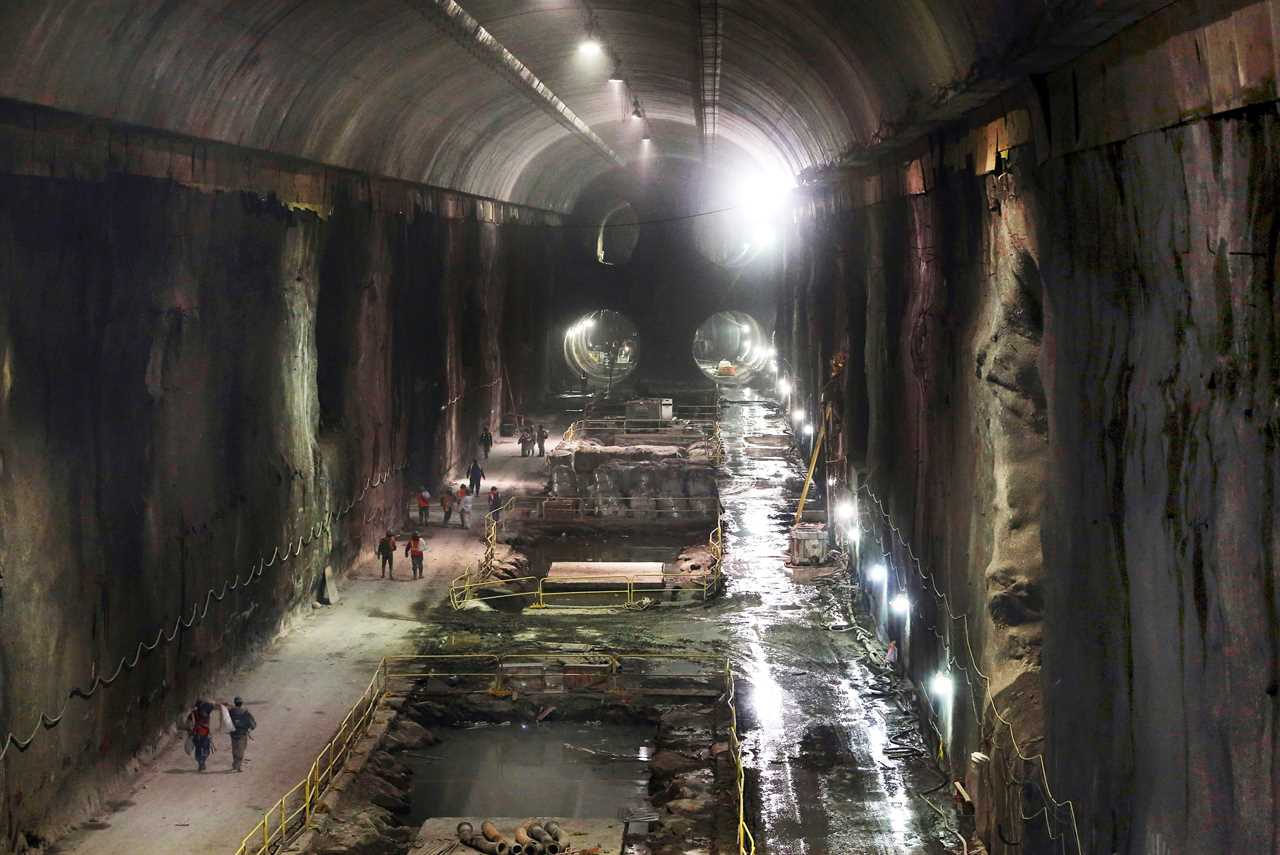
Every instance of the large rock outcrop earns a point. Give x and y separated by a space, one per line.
192 380
1060 377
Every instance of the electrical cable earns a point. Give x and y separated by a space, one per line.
126 663
1046 791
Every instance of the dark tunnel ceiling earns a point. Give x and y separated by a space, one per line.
380 86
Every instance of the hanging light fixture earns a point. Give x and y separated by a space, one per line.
616 75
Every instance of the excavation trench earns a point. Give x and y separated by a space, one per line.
628 754
600 567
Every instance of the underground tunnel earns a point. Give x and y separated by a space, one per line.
602 426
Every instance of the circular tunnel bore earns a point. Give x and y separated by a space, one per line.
731 348
603 345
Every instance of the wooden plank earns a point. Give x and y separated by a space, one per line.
606 574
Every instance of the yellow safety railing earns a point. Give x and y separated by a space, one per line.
492 673
746 840
293 811
524 509
622 672
693 423
689 431
481 585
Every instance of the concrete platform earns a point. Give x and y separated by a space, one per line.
585 835
606 574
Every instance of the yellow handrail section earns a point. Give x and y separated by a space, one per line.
499 675
703 430
481 585
293 811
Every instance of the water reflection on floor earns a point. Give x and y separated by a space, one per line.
815 744
564 769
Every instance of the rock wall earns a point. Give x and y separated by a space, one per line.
1060 377
191 381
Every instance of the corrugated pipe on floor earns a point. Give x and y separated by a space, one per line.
468 837
553 828
528 845
538 833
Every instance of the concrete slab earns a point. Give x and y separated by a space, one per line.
602 836
606 574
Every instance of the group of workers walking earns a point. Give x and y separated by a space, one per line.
529 437
200 723
460 500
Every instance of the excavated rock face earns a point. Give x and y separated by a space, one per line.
1163 371
1061 381
189 381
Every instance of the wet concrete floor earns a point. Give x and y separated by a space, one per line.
818 744
823 744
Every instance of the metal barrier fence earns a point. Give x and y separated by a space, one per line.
701 430
697 407
481 585
502 674
499 675
682 431
293 811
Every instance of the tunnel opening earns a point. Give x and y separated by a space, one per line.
603 348
617 236
731 348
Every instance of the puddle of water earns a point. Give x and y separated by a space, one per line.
560 769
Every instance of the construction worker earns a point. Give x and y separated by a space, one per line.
464 505
414 547
447 501
242 721
486 442
542 441
424 505
198 721
475 474
387 552
495 504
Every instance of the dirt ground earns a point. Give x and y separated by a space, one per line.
299 691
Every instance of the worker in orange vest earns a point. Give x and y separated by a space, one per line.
424 504
414 547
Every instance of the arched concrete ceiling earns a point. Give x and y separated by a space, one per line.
389 87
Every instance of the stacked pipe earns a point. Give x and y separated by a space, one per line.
496 845
532 838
